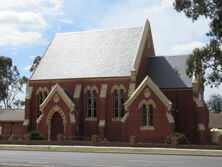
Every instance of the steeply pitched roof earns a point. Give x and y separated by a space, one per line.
169 71
215 120
57 88
154 88
90 54
7 115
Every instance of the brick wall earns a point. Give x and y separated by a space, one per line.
12 128
162 127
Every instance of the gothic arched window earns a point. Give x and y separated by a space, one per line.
91 103
147 115
118 105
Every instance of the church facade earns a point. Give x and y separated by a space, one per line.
110 83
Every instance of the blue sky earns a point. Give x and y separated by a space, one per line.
27 26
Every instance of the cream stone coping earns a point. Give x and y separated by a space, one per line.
40 118
118 88
103 91
29 91
170 117
146 35
102 123
77 91
44 89
26 122
91 88
147 128
148 82
57 88
72 118
199 103
147 103
201 127
125 117
91 119
131 89
198 95
52 112
117 119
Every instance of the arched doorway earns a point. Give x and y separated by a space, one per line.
56 125
56 121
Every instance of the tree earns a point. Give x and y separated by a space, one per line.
10 82
19 103
35 63
207 61
215 103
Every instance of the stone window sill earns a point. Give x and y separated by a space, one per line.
147 128
116 119
90 119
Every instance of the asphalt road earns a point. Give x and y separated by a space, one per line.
81 159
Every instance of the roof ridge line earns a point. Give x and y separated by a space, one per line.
97 30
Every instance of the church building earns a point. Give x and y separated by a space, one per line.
110 83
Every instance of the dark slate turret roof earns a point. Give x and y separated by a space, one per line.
90 54
168 71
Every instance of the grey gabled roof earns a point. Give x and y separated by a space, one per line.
90 54
169 71
10 115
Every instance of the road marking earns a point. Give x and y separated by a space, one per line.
21 165
36 162
96 165
151 161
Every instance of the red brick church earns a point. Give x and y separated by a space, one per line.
110 83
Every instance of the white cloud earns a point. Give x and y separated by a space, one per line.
32 57
66 21
24 19
186 48
13 25
12 36
42 6
158 8
27 68
169 28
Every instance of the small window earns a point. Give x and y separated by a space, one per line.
150 115
41 97
0 130
118 106
91 103
116 109
147 115
144 116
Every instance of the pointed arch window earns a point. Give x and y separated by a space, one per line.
91 103
118 106
42 96
147 115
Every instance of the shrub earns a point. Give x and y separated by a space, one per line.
11 138
1 137
20 139
35 135
181 138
